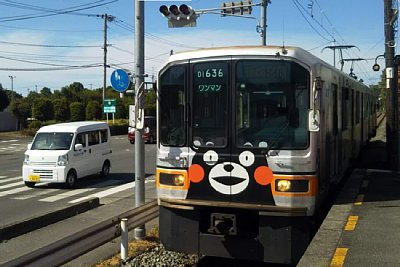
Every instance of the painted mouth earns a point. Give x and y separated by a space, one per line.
229 182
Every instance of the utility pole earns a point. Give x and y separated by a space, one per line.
392 129
264 4
140 231
12 86
106 19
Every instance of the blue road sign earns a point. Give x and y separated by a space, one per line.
120 80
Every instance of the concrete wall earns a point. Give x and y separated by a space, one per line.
8 122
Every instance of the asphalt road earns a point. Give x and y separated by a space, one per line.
19 203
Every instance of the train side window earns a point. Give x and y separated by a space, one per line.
345 108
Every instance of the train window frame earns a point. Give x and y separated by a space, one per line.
200 134
295 89
172 132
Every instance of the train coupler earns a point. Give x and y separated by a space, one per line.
222 224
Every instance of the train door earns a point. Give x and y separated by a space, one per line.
209 134
335 130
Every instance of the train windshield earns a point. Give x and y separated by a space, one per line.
271 104
171 107
244 103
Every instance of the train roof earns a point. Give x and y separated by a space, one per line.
287 51
298 53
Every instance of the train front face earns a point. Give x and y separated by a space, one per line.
235 175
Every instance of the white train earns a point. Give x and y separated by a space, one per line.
250 141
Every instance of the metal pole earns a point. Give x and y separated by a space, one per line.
12 86
139 144
264 4
105 60
124 240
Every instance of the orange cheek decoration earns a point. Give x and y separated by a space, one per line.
196 173
263 175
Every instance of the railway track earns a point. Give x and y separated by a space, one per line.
71 247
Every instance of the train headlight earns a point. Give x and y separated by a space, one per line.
172 179
292 186
283 185
179 179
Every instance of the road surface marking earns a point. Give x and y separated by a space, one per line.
339 257
351 223
75 192
106 192
14 191
11 185
359 200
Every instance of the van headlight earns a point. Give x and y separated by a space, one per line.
26 160
62 160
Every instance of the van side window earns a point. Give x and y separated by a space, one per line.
80 139
93 138
104 135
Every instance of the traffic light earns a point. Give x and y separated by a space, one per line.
182 16
236 8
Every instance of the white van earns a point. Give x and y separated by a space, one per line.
64 152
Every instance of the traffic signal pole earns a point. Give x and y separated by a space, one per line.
264 4
140 231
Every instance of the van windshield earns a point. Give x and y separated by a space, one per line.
52 141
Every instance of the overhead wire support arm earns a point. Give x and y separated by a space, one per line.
352 60
340 48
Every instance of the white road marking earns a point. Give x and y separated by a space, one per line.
11 185
14 191
77 191
106 192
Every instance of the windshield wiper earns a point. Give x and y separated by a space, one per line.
276 138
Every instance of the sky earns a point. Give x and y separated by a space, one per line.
53 43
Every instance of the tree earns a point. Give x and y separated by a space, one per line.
43 109
4 100
150 98
93 110
61 109
77 111
46 92
22 109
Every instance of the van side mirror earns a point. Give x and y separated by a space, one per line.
78 147
29 146
313 120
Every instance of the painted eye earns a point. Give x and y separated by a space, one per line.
210 157
246 158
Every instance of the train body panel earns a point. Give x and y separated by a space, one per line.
251 139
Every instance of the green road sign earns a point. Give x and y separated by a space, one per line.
109 105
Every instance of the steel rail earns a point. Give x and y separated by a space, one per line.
75 245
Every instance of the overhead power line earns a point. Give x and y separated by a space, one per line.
47 12
48 45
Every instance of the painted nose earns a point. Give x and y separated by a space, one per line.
228 167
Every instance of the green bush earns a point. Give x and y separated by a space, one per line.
35 125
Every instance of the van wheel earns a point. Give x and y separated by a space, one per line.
105 171
30 184
71 180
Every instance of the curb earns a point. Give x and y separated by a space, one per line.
322 247
31 224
